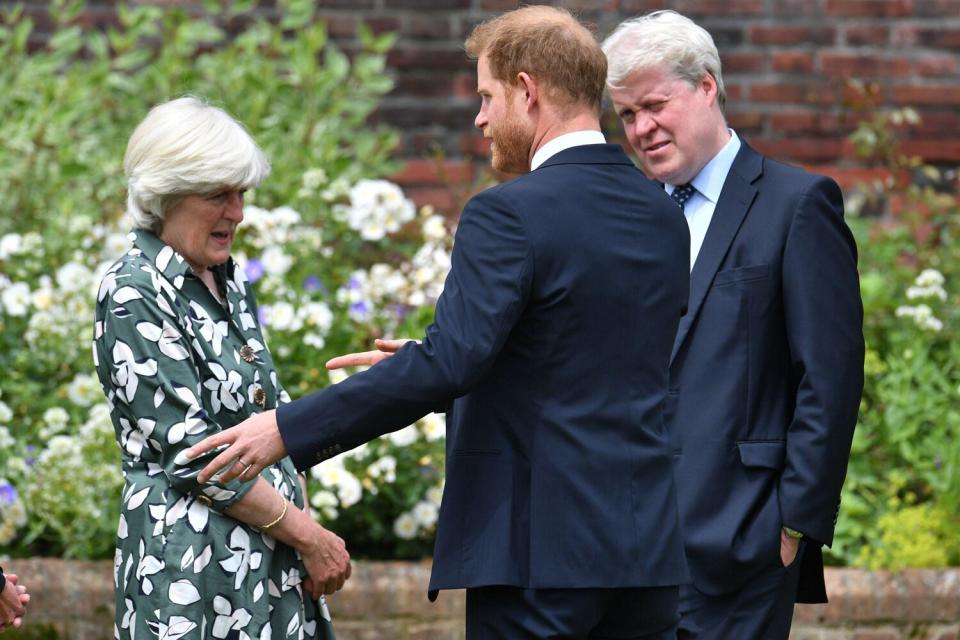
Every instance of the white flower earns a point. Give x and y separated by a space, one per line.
405 527
6 440
16 299
433 426
43 298
318 314
425 513
377 207
434 228
56 417
74 277
5 413
283 317
84 390
275 261
930 278
349 490
406 436
435 494
385 467
10 245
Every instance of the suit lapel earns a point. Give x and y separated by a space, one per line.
735 200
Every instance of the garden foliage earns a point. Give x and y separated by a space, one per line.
901 500
337 255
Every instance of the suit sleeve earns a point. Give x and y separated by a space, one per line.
824 318
484 294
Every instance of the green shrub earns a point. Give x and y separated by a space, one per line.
904 476
322 239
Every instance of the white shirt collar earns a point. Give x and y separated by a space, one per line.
709 182
560 143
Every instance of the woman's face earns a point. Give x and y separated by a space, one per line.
201 227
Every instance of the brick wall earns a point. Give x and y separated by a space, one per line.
73 600
785 66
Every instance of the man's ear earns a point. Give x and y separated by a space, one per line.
708 84
529 86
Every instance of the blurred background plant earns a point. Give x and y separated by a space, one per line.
901 501
338 255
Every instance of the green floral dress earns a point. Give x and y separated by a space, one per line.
176 365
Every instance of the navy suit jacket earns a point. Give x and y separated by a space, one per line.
551 342
766 375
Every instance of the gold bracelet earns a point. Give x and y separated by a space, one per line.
283 512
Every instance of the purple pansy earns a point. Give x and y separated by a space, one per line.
254 269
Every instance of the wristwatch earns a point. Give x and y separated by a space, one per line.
792 533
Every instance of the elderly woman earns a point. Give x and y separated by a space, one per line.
180 356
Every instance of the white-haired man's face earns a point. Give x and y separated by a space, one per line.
673 127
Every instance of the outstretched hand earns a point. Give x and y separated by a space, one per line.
385 349
251 446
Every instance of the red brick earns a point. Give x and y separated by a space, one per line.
792 62
940 37
933 150
498 5
439 197
869 8
465 86
849 178
746 120
431 171
808 122
860 35
474 144
637 7
700 8
804 149
432 58
843 65
926 95
428 27
743 63
786 36
794 92
341 26
936 65
421 5
421 85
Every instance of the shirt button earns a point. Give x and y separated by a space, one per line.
204 499
260 396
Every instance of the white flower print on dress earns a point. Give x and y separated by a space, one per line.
212 332
229 619
127 369
241 559
225 388
166 337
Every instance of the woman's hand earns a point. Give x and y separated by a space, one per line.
327 561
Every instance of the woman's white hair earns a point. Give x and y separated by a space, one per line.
662 39
186 146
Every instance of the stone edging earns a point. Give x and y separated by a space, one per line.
388 600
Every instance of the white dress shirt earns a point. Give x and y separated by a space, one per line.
567 140
708 184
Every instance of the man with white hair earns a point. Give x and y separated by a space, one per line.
767 365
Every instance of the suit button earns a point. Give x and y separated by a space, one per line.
337 448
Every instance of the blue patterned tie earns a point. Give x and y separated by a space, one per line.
682 193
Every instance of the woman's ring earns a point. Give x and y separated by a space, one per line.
246 467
